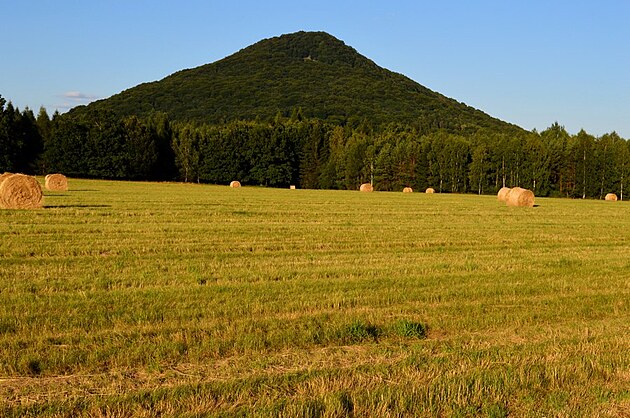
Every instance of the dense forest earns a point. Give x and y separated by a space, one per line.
311 153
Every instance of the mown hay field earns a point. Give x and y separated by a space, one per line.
141 299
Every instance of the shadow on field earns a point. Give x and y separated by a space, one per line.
75 206
201 205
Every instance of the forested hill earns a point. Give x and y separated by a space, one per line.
311 71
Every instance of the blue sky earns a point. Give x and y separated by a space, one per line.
527 62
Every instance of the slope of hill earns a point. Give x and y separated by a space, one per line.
313 71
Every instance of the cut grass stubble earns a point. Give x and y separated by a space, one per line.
273 302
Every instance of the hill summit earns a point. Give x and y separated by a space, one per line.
311 71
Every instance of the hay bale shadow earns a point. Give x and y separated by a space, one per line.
75 206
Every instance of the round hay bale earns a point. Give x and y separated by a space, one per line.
4 176
56 182
611 196
430 190
503 192
19 191
366 187
292 187
518 196
407 190
235 184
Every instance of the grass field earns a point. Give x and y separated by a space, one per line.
145 299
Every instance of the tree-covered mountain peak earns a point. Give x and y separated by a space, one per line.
312 71
299 49
311 47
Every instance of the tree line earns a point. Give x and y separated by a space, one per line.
310 153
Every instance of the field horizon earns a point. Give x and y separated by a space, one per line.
140 299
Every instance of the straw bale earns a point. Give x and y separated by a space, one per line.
19 191
407 190
235 184
366 187
4 176
430 190
611 196
518 196
292 187
56 182
502 195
